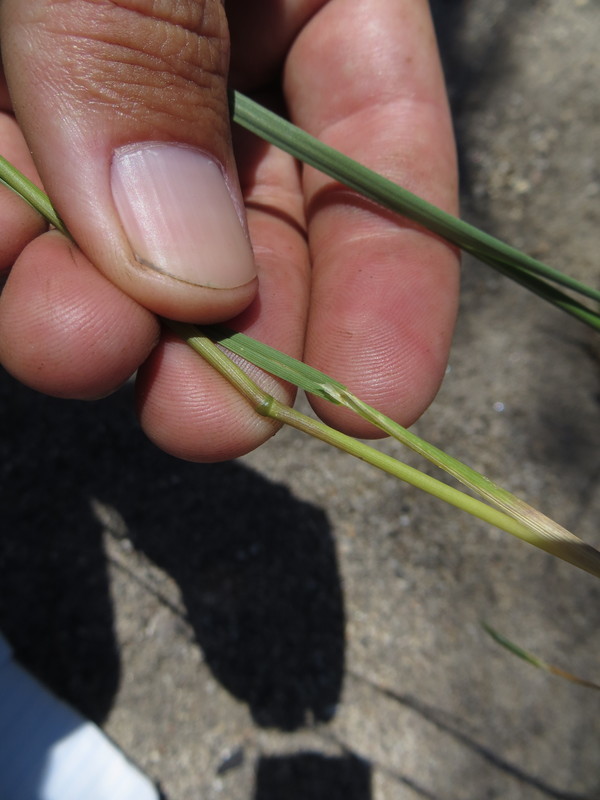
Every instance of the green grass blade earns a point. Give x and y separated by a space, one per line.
541 531
301 145
530 658
15 180
545 532
277 363
268 406
550 293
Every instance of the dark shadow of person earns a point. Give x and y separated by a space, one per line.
55 607
256 566
258 575
314 776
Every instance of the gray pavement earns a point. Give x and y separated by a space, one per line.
295 625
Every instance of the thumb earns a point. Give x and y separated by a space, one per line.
124 106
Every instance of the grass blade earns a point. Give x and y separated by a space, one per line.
492 251
544 532
525 655
536 528
265 404
277 363
28 191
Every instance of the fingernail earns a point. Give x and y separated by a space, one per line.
178 215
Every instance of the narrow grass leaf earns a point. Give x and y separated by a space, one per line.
268 406
277 363
544 532
509 260
530 658
535 528
28 191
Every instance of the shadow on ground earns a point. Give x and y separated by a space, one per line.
255 566
314 776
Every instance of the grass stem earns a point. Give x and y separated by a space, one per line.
530 524
37 199
268 406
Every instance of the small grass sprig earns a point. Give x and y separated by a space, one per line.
532 659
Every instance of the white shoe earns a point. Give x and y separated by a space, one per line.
50 752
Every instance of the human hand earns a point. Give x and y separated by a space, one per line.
120 104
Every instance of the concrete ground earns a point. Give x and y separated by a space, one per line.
295 625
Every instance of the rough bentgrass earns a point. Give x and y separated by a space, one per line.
500 508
